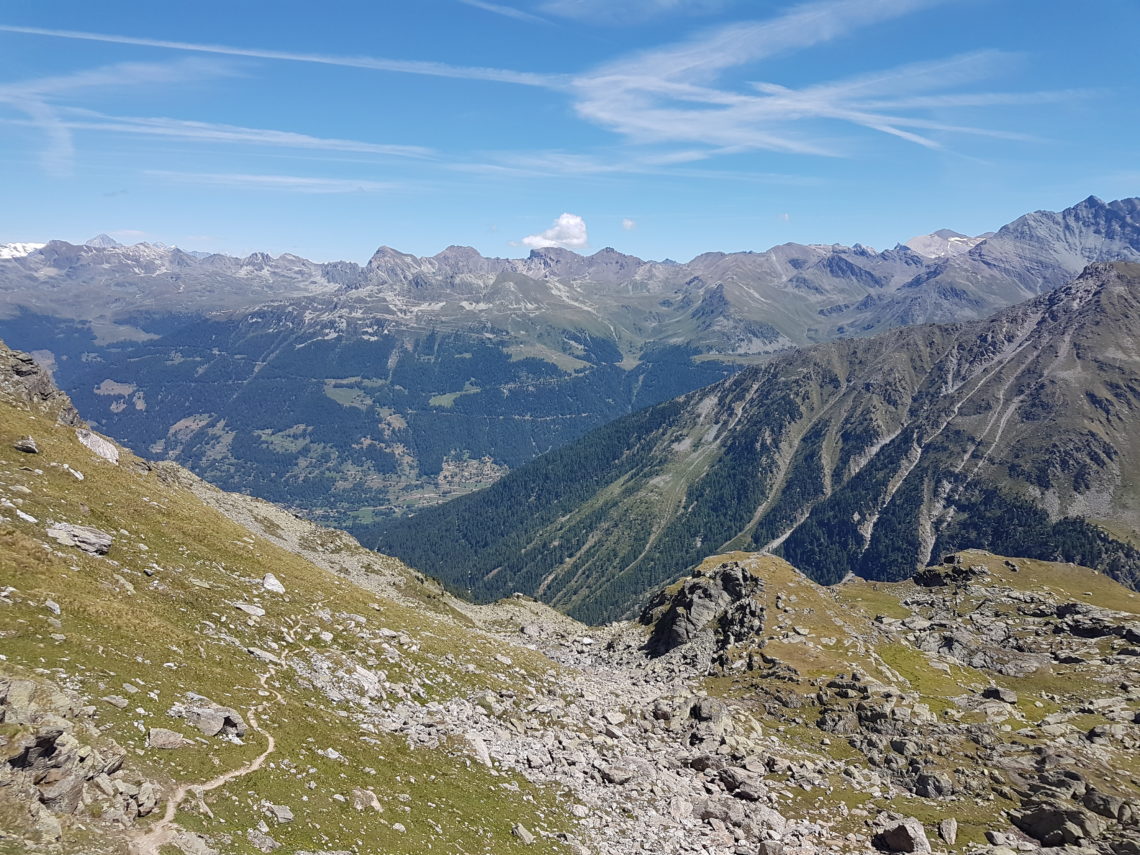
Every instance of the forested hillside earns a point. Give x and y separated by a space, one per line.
867 457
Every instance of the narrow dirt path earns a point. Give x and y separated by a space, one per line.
163 831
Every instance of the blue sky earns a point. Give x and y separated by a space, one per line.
664 128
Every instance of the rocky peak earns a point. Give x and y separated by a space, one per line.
103 241
466 260
457 254
1091 230
390 266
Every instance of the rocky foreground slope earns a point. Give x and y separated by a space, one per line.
868 456
189 671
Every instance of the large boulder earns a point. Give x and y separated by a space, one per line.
908 835
720 603
98 445
83 537
210 718
1053 822
950 572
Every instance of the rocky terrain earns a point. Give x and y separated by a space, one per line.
186 670
869 456
354 392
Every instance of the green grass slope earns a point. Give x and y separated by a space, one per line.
156 618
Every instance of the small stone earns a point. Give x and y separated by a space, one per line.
263 655
997 693
520 831
52 606
272 584
167 740
26 445
280 813
262 841
256 611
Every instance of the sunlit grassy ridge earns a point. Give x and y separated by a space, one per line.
158 614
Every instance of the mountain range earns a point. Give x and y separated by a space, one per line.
867 456
356 392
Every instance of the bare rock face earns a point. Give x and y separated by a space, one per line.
27 382
950 572
718 603
59 765
1056 823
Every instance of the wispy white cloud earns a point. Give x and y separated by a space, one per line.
505 11
57 156
628 11
573 165
403 66
568 232
37 98
672 106
294 183
81 119
133 74
669 95
628 224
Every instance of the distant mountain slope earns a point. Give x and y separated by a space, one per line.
354 391
864 456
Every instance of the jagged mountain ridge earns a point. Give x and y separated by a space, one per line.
1035 252
354 391
865 456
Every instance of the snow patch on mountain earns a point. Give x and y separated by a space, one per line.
18 250
944 243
